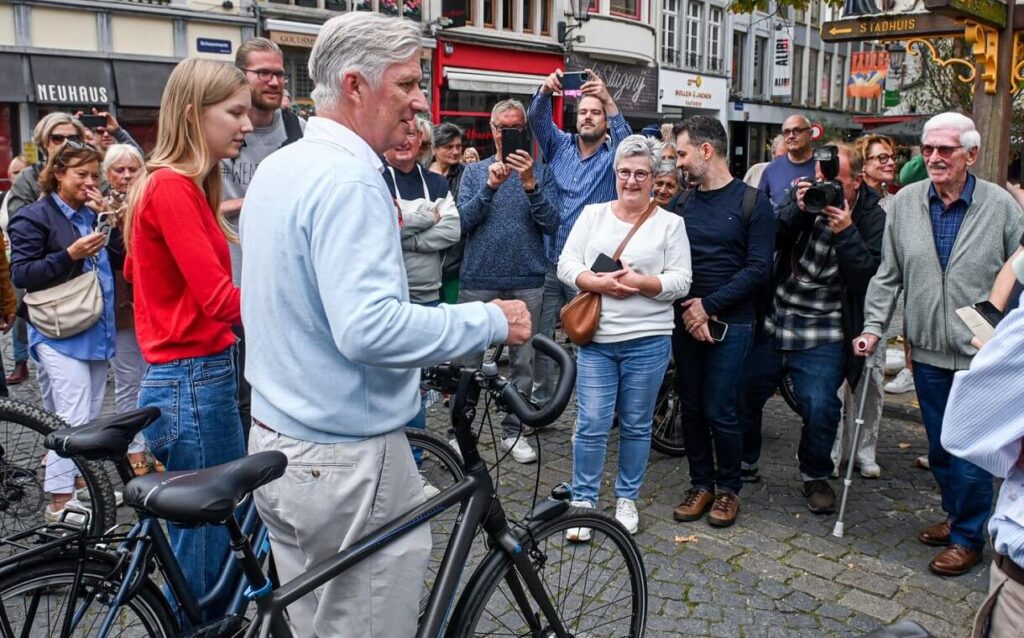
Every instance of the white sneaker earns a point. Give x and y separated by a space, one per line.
521 450
904 382
72 518
894 360
428 489
83 496
869 469
625 513
579 534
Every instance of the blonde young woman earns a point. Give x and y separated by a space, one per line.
185 302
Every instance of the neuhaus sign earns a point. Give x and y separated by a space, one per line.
72 81
71 94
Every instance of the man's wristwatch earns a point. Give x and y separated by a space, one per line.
532 190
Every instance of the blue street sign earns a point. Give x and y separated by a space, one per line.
211 45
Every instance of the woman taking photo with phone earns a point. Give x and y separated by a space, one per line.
185 302
622 367
53 249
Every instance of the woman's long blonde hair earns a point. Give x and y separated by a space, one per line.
181 146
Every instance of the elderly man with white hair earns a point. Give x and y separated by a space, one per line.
326 290
946 239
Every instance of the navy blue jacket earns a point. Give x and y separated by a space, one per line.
40 235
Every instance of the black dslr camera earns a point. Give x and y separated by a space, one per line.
829 191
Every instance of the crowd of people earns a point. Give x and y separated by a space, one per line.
375 244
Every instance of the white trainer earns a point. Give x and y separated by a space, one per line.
904 382
428 488
625 513
869 469
521 450
579 534
455 447
894 360
73 517
83 495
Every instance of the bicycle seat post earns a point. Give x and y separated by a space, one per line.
259 584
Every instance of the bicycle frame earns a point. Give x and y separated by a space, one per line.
479 507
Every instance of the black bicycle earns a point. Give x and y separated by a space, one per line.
531 582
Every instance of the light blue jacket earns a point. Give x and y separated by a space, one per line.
333 344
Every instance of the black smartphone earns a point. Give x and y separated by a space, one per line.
604 263
574 80
92 121
718 329
512 140
105 224
989 313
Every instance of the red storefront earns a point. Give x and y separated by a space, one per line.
468 79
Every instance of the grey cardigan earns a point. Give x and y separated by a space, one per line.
990 233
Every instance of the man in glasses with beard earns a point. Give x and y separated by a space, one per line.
946 239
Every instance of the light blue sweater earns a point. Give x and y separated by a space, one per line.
333 344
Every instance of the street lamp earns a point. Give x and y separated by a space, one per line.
897 54
580 10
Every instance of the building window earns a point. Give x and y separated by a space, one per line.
693 48
545 16
760 50
715 40
798 74
625 8
800 16
296 68
488 13
336 5
812 77
815 13
739 46
826 79
412 9
669 25
837 82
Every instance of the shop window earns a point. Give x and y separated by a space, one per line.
296 68
625 8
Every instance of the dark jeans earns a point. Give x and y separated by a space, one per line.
817 374
244 395
707 381
966 488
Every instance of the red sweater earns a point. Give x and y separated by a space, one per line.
179 264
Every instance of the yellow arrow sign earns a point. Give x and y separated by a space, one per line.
835 31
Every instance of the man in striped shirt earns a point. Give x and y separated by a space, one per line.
579 170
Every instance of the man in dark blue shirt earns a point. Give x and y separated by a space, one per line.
731 247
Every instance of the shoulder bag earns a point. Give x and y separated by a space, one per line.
581 315
67 309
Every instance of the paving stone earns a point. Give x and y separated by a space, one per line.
764 566
814 564
817 587
936 626
880 608
870 583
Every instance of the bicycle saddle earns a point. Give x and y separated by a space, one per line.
105 438
207 496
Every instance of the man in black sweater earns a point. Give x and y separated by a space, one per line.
731 228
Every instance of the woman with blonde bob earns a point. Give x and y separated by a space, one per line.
185 302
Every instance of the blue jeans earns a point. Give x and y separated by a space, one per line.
419 422
966 488
624 375
817 374
707 381
199 427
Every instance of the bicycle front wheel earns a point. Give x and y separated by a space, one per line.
598 587
37 600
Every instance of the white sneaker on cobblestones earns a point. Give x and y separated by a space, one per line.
625 513
428 488
72 518
894 360
904 382
521 450
579 534
869 469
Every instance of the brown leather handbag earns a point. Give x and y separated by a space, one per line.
581 315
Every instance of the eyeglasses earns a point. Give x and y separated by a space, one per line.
624 174
101 130
57 138
500 128
75 144
793 132
943 151
883 158
265 74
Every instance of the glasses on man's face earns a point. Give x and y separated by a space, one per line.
639 175
101 131
944 151
57 138
264 75
793 132
499 128
883 158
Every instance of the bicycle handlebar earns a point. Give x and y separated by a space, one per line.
546 415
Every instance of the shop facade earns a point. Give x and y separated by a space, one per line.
685 94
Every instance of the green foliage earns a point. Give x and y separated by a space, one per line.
772 6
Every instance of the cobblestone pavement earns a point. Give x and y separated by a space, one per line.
778 572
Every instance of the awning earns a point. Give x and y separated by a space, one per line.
140 83
71 81
492 81
13 88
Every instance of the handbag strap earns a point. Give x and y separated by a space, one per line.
632 231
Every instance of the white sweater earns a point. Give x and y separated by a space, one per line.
660 248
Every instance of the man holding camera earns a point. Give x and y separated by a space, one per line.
945 241
829 241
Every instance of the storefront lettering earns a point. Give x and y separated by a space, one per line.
887 26
622 81
71 94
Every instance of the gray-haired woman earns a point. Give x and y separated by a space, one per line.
621 369
666 183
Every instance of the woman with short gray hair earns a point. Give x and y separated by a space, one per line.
621 368
666 183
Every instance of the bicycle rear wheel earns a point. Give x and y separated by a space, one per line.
23 428
36 600
598 587
667 428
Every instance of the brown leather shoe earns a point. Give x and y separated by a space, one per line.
19 374
955 560
696 501
726 507
937 535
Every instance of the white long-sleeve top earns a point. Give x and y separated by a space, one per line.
659 248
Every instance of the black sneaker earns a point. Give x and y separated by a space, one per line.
751 475
820 497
